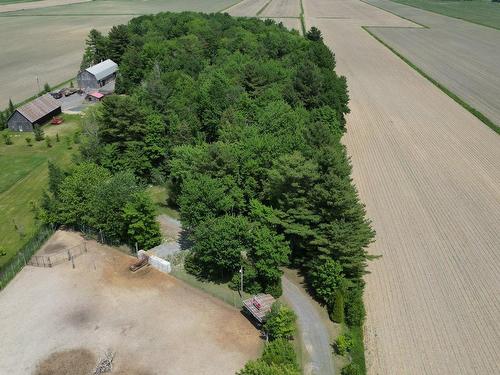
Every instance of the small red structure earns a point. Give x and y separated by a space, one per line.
56 121
94 96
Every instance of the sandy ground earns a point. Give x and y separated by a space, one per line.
460 55
428 172
57 318
37 4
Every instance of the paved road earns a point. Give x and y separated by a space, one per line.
314 333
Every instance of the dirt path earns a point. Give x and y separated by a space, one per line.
429 174
314 333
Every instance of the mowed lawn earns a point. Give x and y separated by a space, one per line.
482 12
23 179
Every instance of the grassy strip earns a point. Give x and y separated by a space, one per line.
16 264
445 14
219 291
397 15
358 348
302 21
455 97
263 8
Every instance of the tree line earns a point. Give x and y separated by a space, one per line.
242 119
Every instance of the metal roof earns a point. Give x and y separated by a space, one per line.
259 306
36 109
103 69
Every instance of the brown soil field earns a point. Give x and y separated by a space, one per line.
460 55
60 318
48 42
282 8
247 8
37 4
429 174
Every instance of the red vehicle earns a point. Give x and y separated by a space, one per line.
56 121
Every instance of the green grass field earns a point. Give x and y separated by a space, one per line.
24 177
482 12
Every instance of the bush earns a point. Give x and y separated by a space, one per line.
57 137
337 314
280 322
38 132
48 141
343 344
29 141
354 308
280 352
7 139
351 369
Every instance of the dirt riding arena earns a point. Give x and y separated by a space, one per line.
61 320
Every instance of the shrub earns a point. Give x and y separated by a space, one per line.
343 344
57 137
280 352
68 143
7 139
76 138
351 369
46 87
337 314
280 322
48 141
38 132
29 141
354 308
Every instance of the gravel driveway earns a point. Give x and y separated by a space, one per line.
315 336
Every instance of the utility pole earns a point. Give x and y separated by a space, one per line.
38 84
241 281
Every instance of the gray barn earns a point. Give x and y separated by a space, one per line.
97 75
37 111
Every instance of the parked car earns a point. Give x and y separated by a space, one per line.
56 95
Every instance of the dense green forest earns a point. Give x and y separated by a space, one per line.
243 120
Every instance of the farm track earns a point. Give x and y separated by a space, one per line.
429 174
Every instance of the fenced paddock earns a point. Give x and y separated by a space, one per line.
61 256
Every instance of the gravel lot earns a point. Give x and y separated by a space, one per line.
55 319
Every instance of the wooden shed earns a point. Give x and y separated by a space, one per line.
259 306
37 111
97 75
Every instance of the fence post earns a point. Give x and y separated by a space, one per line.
50 263
69 256
73 261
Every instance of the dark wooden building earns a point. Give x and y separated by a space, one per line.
37 111
97 75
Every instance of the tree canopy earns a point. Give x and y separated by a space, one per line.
244 119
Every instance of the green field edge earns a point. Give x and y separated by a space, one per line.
443 14
263 8
397 15
57 86
302 20
485 120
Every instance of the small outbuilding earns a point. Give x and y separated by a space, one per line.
97 75
259 306
94 96
37 112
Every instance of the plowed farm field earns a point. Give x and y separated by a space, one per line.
429 173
